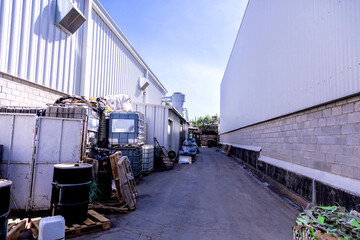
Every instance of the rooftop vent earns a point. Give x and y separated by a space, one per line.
67 17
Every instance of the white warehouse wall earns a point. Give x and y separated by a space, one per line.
34 49
97 60
289 56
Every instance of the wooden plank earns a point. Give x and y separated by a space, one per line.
16 228
228 150
34 226
97 216
89 222
114 168
76 225
114 208
125 185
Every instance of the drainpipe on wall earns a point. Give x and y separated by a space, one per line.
146 75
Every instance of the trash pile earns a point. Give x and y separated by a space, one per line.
330 223
189 151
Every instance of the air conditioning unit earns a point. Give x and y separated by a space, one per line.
67 17
143 83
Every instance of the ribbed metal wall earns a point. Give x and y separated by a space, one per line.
33 48
156 117
153 92
288 56
96 61
114 69
115 65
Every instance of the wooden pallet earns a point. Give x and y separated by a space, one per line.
15 227
94 223
125 184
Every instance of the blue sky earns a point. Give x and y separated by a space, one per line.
185 43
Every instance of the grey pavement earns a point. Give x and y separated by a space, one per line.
213 198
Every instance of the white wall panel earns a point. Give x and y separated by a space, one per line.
156 117
153 92
33 48
115 65
288 56
96 61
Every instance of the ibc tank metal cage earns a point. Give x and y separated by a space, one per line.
135 156
78 111
148 159
26 110
126 128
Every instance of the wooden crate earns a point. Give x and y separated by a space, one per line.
94 223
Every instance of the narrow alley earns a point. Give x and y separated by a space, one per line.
213 198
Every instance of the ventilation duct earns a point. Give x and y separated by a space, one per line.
67 17
143 83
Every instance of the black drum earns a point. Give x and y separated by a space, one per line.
5 186
70 192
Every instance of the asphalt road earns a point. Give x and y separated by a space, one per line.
213 198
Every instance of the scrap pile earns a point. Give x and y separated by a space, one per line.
189 151
329 223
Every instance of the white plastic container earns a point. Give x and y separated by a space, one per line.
51 228
148 158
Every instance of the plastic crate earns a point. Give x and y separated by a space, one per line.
148 158
135 156
126 129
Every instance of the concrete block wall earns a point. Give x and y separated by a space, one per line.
19 92
326 137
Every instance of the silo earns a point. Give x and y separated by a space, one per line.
178 100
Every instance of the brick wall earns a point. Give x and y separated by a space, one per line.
325 137
18 92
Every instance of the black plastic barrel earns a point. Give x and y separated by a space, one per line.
5 186
70 192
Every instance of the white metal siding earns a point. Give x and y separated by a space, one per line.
175 135
153 92
288 56
114 69
33 48
95 61
156 117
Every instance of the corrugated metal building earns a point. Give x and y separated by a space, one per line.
291 87
39 62
96 60
165 123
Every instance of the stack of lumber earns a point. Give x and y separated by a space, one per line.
330 223
125 185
